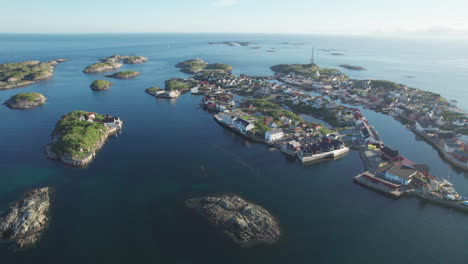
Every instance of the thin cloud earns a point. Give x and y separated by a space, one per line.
224 3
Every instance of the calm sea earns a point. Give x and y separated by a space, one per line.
127 207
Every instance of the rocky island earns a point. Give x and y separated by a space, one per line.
14 75
198 65
124 75
100 85
353 67
26 101
113 63
134 59
245 223
27 219
79 135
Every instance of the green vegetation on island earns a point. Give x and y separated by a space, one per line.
13 75
113 63
153 89
102 66
197 65
124 75
26 100
385 84
177 84
304 69
77 137
99 85
267 110
134 59
321 113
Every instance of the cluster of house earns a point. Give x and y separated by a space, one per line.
427 110
323 145
367 132
108 121
398 173
237 122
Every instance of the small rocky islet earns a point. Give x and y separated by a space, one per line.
113 63
26 220
79 135
100 85
18 74
197 65
124 75
25 101
353 67
243 222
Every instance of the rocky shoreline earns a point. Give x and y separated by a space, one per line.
20 74
17 102
124 75
77 162
27 219
100 85
113 63
243 222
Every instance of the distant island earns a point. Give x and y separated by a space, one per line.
231 43
26 100
113 63
14 75
124 75
337 54
352 67
100 85
197 65
79 135
245 223
26 220
304 69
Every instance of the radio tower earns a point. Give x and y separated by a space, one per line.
312 59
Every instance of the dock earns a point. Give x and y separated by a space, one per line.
371 181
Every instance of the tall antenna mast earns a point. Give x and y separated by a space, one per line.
312 59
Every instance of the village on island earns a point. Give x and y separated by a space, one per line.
274 110
307 112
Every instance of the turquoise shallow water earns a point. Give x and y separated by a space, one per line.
128 205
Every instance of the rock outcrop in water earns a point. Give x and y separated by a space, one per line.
113 63
124 75
14 75
26 100
100 85
26 220
245 223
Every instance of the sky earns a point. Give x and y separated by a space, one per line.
355 17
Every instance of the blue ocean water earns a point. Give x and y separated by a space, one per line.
128 205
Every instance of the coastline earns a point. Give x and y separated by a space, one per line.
83 162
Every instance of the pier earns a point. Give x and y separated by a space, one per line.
371 181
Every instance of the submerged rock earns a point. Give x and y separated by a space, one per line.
245 223
26 220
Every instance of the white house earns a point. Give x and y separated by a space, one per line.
397 173
274 134
459 122
426 127
243 125
229 119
